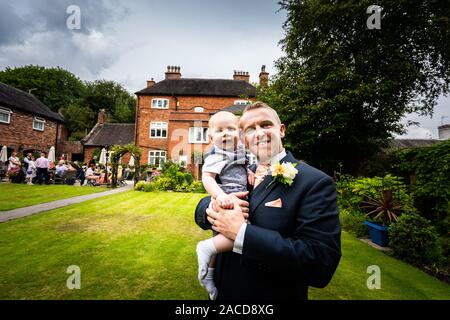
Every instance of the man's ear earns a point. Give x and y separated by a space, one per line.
282 130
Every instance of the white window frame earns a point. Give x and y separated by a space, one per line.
7 112
199 109
157 154
161 126
156 101
242 102
204 132
38 120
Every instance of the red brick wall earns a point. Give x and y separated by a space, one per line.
69 148
88 155
179 122
88 151
20 132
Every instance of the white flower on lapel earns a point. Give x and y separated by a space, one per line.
283 173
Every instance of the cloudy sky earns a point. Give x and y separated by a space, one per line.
133 41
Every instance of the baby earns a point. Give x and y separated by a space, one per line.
224 171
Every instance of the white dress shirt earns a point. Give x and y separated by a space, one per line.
239 241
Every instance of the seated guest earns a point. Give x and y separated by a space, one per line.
60 168
80 173
70 175
90 176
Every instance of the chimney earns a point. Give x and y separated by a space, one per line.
263 77
101 119
241 75
173 73
444 132
150 83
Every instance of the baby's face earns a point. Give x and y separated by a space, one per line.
224 133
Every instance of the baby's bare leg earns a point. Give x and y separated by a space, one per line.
222 243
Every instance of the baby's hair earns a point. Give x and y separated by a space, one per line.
221 114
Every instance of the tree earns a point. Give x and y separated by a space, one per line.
77 101
111 96
78 120
55 87
342 88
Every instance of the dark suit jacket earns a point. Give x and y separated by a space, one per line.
285 249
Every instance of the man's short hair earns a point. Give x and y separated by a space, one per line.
261 105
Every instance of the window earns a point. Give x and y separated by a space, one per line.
38 124
242 102
160 103
158 130
183 161
198 109
156 158
5 115
198 135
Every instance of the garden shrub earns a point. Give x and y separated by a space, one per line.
429 170
144 186
171 178
414 239
353 222
149 187
353 191
197 187
164 183
140 186
189 178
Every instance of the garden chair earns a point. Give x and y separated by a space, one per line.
57 179
69 177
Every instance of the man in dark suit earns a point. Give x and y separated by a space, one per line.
292 237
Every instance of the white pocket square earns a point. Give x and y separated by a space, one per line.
275 203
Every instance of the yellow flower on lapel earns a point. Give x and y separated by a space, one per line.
283 173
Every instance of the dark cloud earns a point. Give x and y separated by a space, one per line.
13 27
21 19
35 32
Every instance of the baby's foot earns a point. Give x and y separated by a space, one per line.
205 251
208 283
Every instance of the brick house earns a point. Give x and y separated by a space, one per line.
26 124
172 115
105 134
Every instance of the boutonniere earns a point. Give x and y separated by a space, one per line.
283 173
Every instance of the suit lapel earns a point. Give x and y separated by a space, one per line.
262 191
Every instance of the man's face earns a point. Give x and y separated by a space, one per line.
262 133
224 132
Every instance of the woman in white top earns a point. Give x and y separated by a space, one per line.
14 162
90 174
31 172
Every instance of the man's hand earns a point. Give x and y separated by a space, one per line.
227 222
238 196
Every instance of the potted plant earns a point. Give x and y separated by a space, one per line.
383 211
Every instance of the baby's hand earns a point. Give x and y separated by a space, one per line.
225 200
251 177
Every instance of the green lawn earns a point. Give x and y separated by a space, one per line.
138 245
14 196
